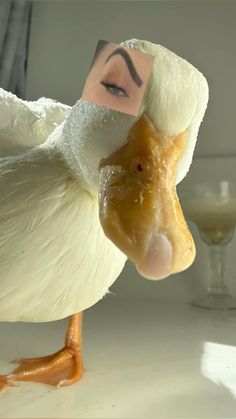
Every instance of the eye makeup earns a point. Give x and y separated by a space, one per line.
114 89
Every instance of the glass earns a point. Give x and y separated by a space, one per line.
212 207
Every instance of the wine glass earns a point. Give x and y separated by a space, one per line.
212 207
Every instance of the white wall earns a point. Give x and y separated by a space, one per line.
64 35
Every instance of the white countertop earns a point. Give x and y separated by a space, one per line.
143 358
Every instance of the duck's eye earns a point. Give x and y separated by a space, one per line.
114 89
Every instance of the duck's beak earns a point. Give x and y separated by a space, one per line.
138 204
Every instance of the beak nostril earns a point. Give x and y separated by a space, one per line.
141 168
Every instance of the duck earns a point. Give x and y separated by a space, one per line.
85 187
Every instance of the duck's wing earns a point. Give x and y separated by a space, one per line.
26 124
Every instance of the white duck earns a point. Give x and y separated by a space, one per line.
55 260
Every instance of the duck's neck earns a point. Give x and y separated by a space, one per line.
89 134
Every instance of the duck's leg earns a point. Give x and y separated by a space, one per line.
62 368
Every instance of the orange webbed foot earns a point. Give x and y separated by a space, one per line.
62 368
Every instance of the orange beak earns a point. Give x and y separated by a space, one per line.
138 204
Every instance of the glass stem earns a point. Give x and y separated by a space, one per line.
217 255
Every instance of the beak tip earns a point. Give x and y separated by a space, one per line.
157 262
152 275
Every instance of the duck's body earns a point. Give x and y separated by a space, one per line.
55 259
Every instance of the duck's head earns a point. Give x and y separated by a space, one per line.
133 164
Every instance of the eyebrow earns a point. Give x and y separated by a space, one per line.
129 63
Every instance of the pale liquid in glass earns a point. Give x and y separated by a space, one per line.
214 216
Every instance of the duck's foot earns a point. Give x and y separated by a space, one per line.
63 368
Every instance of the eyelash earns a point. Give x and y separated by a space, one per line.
110 88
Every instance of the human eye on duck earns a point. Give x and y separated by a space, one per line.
147 150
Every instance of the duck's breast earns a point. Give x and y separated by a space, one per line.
54 257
